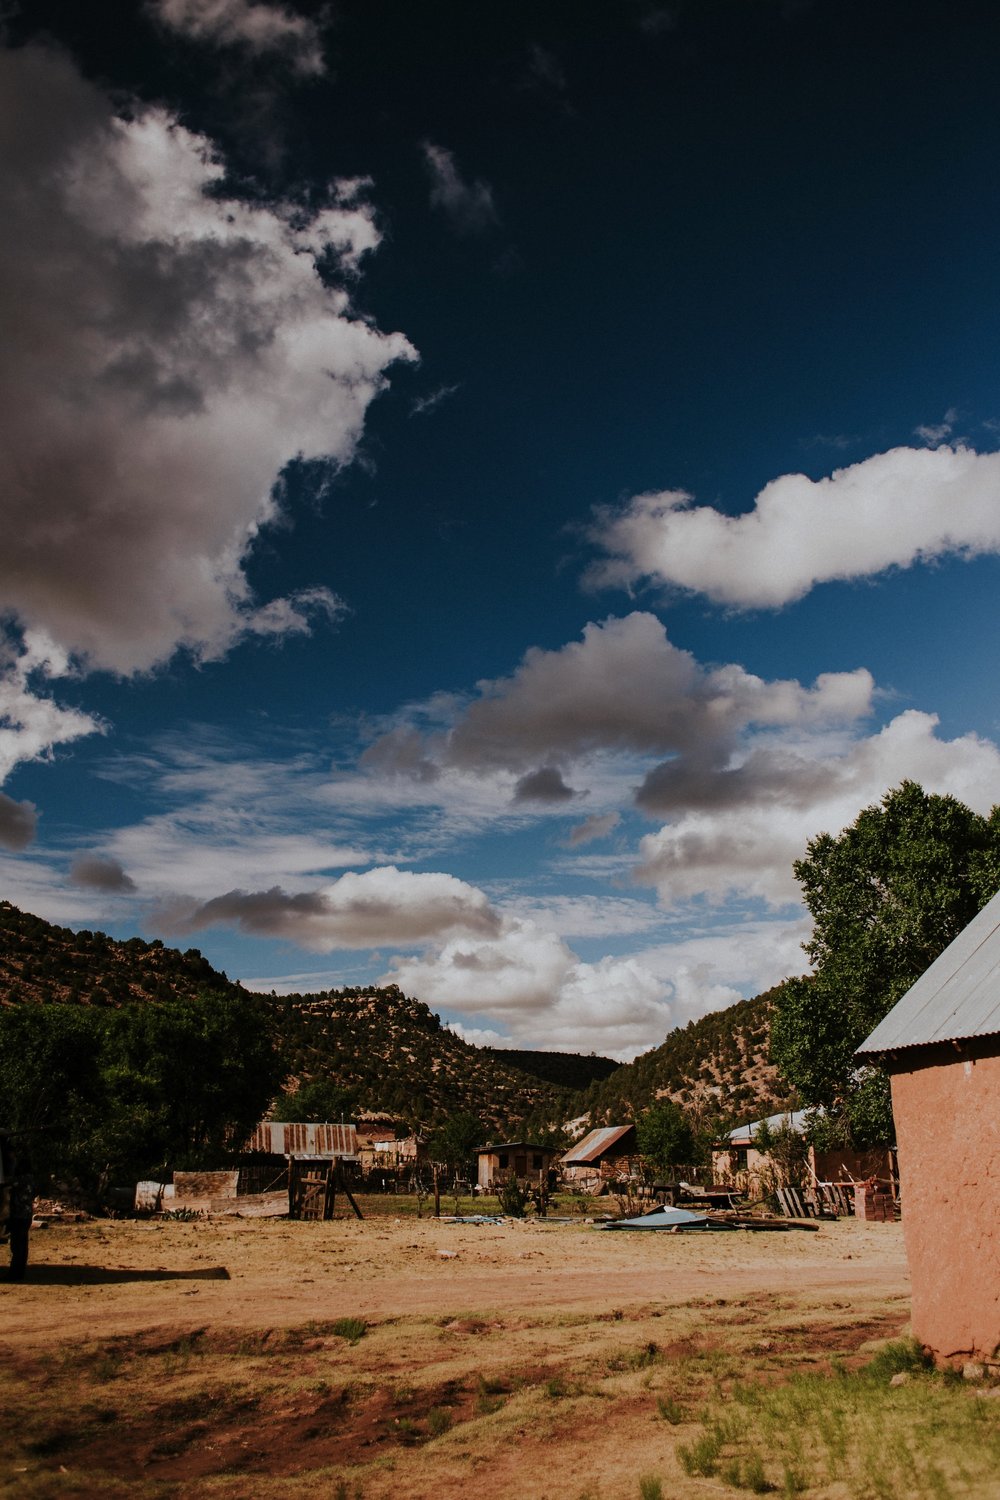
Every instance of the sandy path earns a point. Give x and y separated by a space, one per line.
114 1279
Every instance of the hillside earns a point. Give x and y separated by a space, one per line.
391 1052
571 1070
44 963
717 1068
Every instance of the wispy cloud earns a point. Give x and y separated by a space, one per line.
424 404
591 829
468 204
254 26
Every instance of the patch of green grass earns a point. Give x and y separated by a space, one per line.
439 1420
702 1456
351 1329
928 1439
651 1487
670 1410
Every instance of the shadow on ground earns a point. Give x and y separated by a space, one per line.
103 1275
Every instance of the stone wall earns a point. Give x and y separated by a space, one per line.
946 1102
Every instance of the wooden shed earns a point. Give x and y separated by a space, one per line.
599 1156
941 1048
522 1159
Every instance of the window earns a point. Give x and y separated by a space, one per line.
503 1161
536 1161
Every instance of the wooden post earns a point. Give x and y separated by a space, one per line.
342 1184
437 1195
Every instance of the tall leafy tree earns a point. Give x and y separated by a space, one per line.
664 1135
456 1140
886 896
107 1094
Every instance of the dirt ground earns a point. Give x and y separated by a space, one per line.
411 1359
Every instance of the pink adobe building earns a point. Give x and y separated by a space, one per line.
941 1048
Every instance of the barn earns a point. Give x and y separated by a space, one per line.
941 1048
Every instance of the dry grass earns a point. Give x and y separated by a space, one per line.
544 1390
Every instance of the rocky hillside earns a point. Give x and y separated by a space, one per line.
44 963
390 1052
717 1068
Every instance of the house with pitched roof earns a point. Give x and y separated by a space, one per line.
941 1048
601 1155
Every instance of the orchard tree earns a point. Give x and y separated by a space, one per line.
664 1135
886 896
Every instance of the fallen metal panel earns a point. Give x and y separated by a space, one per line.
661 1218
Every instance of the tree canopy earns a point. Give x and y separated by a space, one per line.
664 1135
107 1094
455 1142
886 896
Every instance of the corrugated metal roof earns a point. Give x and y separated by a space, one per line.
511 1146
594 1145
957 998
295 1139
743 1134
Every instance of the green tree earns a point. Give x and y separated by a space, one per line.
319 1101
664 1135
886 896
114 1094
454 1143
188 1078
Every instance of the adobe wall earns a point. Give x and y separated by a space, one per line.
947 1111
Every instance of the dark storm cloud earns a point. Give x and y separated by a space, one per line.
18 822
99 872
544 785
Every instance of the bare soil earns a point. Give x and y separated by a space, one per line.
523 1360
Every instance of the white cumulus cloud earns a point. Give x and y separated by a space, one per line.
368 910
527 979
167 350
892 510
746 847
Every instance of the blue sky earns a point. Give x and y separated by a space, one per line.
483 486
